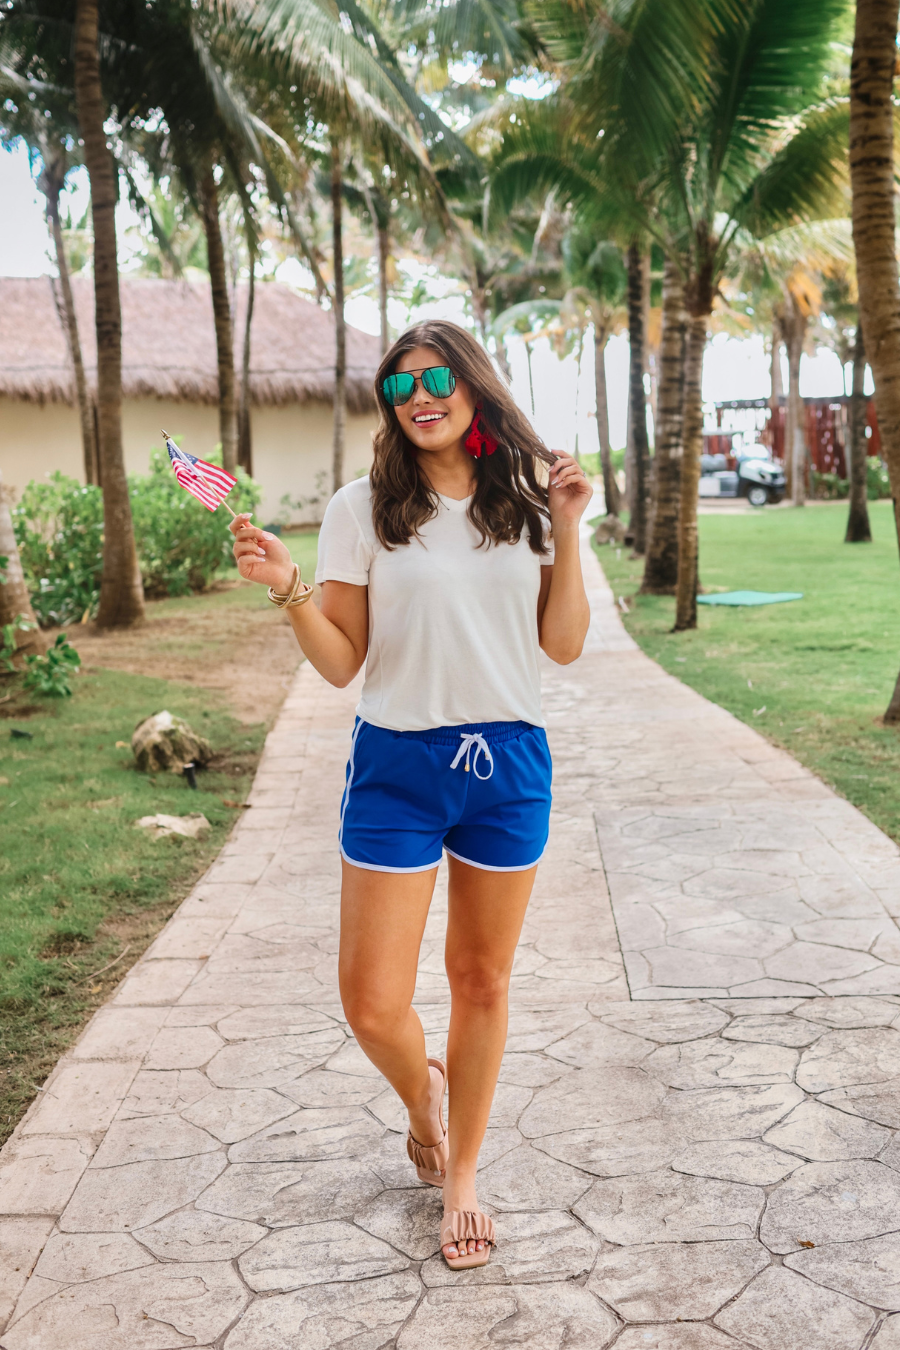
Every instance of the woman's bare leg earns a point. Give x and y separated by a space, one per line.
485 920
382 920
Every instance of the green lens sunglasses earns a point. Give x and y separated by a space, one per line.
438 380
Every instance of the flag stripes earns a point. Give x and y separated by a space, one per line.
207 482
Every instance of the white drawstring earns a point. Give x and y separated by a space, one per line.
481 748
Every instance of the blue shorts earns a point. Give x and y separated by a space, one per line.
482 792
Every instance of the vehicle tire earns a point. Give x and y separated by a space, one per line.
757 496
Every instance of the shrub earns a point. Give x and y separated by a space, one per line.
181 545
59 529
828 485
877 482
50 674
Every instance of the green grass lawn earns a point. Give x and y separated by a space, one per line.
813 675
80 886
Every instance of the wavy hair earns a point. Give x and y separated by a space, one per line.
509 499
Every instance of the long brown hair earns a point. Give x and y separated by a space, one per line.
509 498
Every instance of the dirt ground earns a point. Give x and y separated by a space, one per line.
229 640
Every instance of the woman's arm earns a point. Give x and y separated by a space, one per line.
334 638
563 610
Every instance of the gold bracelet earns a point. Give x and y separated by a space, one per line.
291 599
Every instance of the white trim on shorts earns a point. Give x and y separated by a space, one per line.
376 867
486 867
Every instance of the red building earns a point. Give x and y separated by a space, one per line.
827 429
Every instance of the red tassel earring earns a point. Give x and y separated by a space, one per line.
478 440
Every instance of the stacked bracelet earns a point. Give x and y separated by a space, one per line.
295 596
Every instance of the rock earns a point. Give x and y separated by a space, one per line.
526 1178
822 1134
591 1097
369 1314
166 742
193 1236
148 1309
664 1022
744 1160
72 1258
770 1030
694 1337
730 1113
670 1207
110 1199
610 529
879 1102
831 1202
780 1310
615 1150
192 826
546 1316
281 1194
711 1062
888 1335
317 1253
867 1270
409 1220
844 1059
665 1282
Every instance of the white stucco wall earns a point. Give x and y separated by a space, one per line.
291 446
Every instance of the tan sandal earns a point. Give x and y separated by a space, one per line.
431 1159
467 1226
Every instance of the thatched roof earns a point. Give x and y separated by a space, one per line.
168 344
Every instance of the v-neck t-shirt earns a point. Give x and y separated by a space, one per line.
453 630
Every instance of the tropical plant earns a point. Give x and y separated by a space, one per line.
51 673
690 123
872 182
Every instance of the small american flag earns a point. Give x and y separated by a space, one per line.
207 482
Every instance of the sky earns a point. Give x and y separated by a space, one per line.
564 394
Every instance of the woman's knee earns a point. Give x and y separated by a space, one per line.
375 1019
482 986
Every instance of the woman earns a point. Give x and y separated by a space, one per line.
444 571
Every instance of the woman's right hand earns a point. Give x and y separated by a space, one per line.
261 556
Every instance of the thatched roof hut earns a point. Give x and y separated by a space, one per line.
169 349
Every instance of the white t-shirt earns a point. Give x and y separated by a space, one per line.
453 635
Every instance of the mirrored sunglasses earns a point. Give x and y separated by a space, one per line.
438 380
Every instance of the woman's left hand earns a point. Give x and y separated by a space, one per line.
570 491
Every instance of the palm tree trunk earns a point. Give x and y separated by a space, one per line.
795 449
858 529
340 327
384 248
661 568
51 184
775 377
637 399
245 439
121 593
872 183
218 280
610 486
15 602
688 540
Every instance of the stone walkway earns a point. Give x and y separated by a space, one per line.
702 1157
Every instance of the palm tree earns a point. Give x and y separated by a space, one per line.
872 181
661 566
692 122
45 120
121 592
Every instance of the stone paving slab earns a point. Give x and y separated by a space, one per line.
705 1158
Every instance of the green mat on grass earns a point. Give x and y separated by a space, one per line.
749 598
